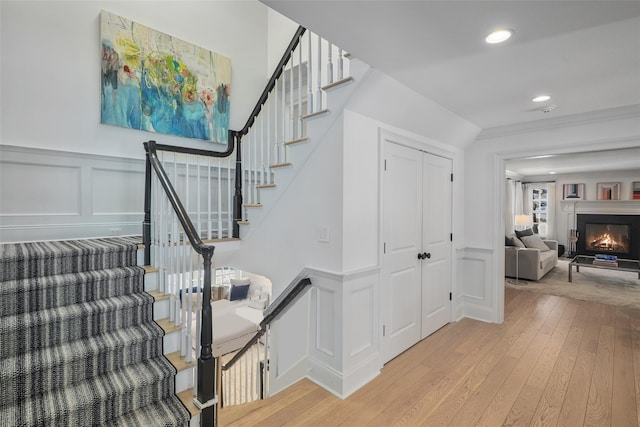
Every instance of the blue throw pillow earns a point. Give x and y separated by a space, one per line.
238 292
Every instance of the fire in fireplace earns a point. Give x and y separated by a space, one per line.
610 234
608 237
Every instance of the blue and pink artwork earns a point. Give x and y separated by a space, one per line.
155 82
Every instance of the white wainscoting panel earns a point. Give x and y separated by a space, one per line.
325 324
360 300
289 361
479 301
130 187
345 350
56 191
55 195
458 291
362 360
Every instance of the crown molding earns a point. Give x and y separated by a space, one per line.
611 114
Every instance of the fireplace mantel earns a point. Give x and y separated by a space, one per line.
628 207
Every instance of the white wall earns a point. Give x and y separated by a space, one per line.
485 173
386 100
51 67
338 188
50 100
281 30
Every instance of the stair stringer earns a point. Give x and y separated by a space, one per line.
299 153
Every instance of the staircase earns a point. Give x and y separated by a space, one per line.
79 344
189 193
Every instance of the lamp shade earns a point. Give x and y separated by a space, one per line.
523 220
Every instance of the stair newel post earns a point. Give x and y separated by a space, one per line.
237 197
207 372
146 224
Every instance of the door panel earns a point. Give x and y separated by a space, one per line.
436 241
402 235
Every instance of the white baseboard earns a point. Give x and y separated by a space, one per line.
343 385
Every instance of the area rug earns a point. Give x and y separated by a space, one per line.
618 288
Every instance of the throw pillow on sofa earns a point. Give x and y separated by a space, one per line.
512 240
534 241
525 232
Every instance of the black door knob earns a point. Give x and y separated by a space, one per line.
426 255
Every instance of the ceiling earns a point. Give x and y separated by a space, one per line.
584 54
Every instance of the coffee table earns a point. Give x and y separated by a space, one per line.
587 261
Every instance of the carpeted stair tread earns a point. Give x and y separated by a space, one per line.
35 259
96 400
49 368
24 295
70 323
78 344
170 411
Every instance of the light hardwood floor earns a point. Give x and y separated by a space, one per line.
553 362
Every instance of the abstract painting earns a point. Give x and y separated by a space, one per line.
158 83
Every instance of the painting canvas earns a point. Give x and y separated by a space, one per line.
635 190
608 190
158 83
573 192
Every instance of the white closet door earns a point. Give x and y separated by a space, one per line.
416 275
401 293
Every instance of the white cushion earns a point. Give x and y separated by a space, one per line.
534 242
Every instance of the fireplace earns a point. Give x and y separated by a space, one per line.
609 234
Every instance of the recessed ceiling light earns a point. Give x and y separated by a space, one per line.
552 173
541 98
498 36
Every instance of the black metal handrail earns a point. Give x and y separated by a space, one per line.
206 362
272 312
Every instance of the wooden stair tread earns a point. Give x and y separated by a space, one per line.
149 269
297 140
337 83
280 165
159 296
266 186
168 326
180 362
252 205
186 397
243 222
315 114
